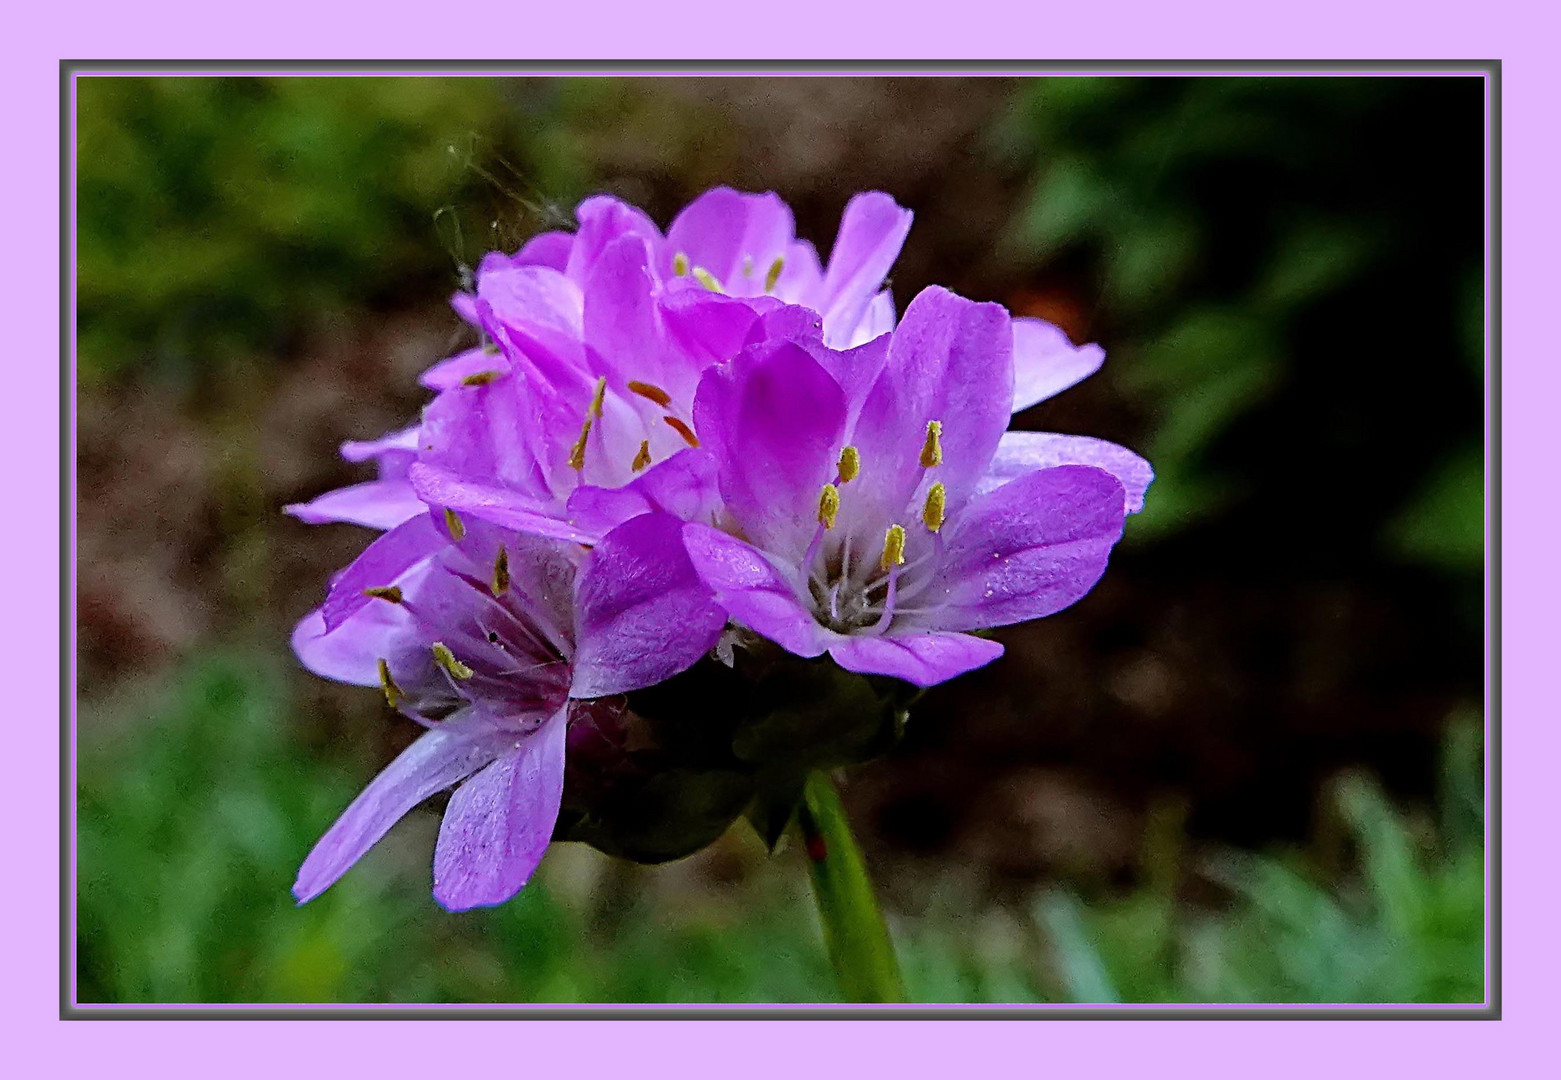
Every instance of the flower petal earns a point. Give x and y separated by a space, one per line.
499 823
378 504
1027 549
733 235
550 249
642 613
1047 363
949 360
381 564
774 419
491 502
1022 452
605 220
872 231
452 373
436 760
684 485
924 658
753 591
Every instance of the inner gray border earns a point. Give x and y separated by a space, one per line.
1491 1010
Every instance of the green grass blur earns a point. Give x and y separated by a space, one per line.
196 808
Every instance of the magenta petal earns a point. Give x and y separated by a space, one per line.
950 360
753 591
351 653
684 485
396 442
732 235
1047 363
499 823
872 231
381 564
605 220
434 762
774 419
491 502
642 613
550 249
924 658
1027 549
377 504
1022 452
452 373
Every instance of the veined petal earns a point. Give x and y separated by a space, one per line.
434 762
684 485
642 613
1047 363
1027 549
382 563
949 360
774 419
1022 452
377 504
499 823
605 220
753 591
491 502
453 373
728 232
872 231
924 658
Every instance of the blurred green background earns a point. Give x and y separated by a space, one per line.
1247 768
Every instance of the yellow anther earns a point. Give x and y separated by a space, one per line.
480 378
453 522
747 266
577 452
680 264
935 508
641 459
489 348
598 397
707 279
682 429
393 693
446 659
500 584
828 505
774 275
932 449
893 548
384 592
651 391
849 465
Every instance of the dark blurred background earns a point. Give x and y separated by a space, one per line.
1247 767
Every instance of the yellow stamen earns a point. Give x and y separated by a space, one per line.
489 348
577 452
893 548
651 391
480 378
384 592
500 584
453 522
641 459
747 266
598 397
707 279
849 465
934 510
680 264
828 505
932 449
393 693
682 429
446 659
774 275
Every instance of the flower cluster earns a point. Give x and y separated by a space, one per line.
707 450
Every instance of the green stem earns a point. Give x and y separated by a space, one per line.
854 931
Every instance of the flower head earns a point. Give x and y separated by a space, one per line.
874 509
490 639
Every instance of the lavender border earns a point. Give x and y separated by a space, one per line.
71 69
